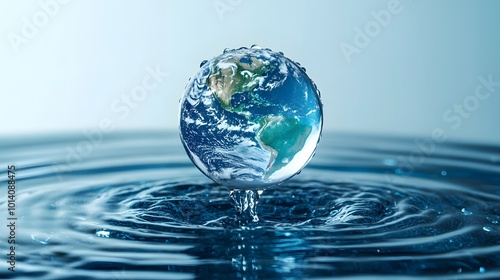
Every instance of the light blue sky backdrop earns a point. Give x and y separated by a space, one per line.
385 66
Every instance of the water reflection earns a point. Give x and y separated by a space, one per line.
256 253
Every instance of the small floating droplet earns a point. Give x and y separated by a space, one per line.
257 47
482 270
102 233
201 65
494 221
226 50
466 212
444 173
488 229
42 238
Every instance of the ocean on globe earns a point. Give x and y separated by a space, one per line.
250 118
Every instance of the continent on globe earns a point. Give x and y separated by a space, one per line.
283 137
233 75
250 118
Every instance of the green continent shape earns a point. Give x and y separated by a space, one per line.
230 76
283 138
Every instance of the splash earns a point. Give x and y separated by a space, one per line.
245 202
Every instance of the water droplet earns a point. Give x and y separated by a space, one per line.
482 270
226 50
102 233
281 53
466 212
488 229
459 270
494 220
201 65
303 69
195 94
41 238
444 173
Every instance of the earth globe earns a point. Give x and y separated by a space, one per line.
250 118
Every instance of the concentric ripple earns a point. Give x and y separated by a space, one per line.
135 208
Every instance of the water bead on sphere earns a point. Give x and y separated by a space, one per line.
250 118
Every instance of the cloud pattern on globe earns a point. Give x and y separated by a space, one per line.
250 118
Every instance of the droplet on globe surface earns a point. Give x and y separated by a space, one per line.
250 118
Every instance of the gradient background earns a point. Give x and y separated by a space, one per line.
90 53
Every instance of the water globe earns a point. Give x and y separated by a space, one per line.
250 118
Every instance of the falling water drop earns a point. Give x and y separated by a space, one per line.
301 110
205 101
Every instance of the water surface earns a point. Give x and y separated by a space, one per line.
132 206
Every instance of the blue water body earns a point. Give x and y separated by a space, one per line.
132 206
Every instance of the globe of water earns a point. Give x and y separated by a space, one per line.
250 118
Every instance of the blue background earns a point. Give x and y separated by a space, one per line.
85 55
